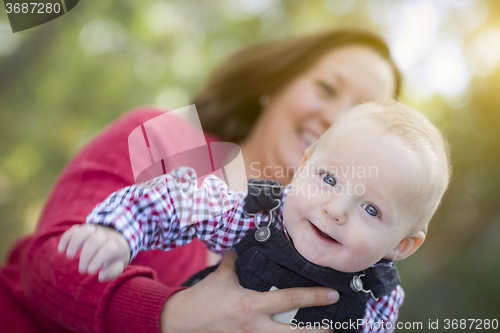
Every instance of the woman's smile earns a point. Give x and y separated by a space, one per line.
306 138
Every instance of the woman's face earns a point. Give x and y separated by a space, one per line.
298 114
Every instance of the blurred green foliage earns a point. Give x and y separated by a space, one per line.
62 82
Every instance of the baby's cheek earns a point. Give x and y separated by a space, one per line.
368 250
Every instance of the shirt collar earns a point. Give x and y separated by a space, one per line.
279 219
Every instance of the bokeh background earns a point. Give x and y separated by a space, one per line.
62 82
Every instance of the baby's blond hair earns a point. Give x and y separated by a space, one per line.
418 134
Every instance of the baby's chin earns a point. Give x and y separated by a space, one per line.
349 268
343 266
328 263
353 267
315 253
389 257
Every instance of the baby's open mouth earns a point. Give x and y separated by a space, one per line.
323 235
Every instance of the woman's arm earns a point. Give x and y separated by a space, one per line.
52 284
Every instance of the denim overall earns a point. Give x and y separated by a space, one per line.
262 265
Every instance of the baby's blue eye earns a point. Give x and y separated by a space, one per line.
370 209
329 179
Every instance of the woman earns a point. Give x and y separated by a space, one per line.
287 94
273 100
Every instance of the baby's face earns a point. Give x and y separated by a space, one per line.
353 201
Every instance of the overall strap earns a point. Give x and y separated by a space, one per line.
262 195
382 278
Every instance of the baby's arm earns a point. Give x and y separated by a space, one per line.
170 211
102 247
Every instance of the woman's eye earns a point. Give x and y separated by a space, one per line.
327 88
329 179
370 209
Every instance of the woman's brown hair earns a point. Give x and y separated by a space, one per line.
228 105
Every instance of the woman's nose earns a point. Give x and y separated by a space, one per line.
331 111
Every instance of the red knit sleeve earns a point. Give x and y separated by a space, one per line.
52 284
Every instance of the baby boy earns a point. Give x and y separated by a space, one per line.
361 199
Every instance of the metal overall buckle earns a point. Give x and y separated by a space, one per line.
357 285
263 233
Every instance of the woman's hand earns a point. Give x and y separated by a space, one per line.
219 304
103 249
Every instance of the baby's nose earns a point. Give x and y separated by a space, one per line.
338 216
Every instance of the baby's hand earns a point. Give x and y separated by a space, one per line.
102 248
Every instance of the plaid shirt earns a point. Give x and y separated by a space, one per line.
170 211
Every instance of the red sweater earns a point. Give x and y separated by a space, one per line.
42 291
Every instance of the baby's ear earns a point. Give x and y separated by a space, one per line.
407 246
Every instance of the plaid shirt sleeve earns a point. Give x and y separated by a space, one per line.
381 316
170 211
